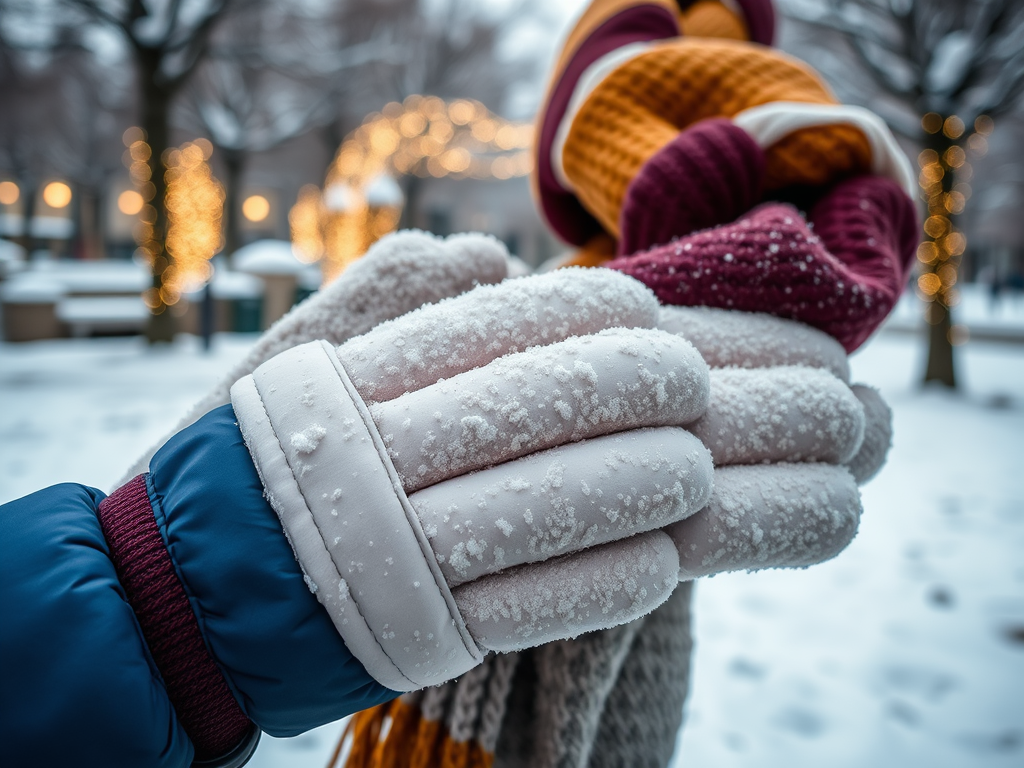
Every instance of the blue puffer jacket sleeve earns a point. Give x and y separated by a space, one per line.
80 685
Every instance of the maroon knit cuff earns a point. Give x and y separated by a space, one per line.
708 175
205 706
843 276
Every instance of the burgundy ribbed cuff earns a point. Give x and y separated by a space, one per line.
205 706
843 276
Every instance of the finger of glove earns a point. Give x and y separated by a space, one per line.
877 434
769 516
597 588
579 388
399 273
780 414
564 499
728 337
445 339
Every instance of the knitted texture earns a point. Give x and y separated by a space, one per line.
644 103
646 705
204 704
609 698
709 18
844 277
605 26
705 176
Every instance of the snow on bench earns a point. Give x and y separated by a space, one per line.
103 314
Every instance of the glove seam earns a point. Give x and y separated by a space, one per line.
411 517
334 566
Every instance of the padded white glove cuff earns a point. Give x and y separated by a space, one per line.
316 447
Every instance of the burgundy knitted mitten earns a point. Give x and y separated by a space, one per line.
708 175
843 277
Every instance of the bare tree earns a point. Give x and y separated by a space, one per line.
269 78
938 66
99 103
167 40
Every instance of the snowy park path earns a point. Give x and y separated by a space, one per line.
906 651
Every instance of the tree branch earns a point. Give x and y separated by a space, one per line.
101 14
197 43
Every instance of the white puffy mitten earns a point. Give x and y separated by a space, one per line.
487 473
399 273
791 439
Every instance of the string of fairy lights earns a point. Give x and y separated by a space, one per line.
422 136
195 205
945 183
194 201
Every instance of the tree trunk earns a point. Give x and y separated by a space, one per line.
29 190
940 366
234 165
88 224
411 190
941 362
156 104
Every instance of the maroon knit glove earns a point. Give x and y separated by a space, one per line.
708 175
843 277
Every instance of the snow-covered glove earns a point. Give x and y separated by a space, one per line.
486 473
400 272
527 428
790 440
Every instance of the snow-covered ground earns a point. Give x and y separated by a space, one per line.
906 651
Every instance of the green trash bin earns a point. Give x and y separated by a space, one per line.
246 314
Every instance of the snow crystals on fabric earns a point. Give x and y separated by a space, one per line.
766 516
565 597
613 380
448 338
788 413
729 337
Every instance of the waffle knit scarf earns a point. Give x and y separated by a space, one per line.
606 699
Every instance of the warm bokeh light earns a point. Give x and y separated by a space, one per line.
57 194
929 283
932 122
130 202
305 220
207 146
135 159
944 181
420 136
9 193
953 127
195 206
133 135
256 208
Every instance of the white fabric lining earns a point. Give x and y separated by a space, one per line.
316 452
286 499
769 123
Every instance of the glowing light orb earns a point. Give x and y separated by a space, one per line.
256 208
57 194
130 202
9 193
